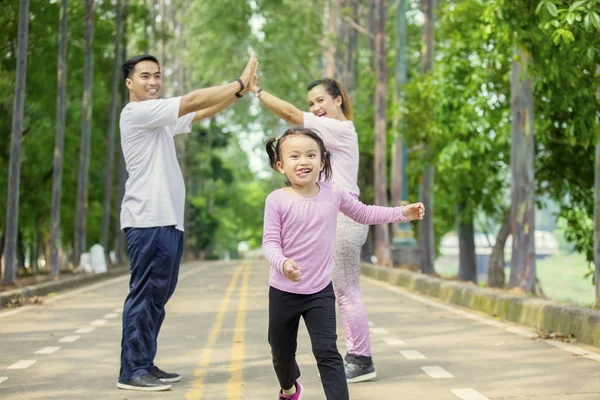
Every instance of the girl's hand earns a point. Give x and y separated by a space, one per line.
292 271
414 211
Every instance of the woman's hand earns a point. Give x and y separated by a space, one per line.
292 271
248 71
254 84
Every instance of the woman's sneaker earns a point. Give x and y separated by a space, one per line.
359 368
295 396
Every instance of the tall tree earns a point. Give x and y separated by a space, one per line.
350 76
61 108
522 273
399 150
467 267
120 244
14 171
426 229
86 133
110 148
496 276
597 208
382 240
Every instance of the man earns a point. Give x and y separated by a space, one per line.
152 208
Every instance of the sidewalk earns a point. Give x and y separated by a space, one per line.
580 323
45 288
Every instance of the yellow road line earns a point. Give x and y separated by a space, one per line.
235 386
197 390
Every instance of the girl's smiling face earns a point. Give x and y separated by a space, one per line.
322 104
301 160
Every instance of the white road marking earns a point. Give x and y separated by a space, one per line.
85 329
22 364
110 315
378 331
69 339
468 394
98 322
392 341
48 350
413 355
437 372
3 379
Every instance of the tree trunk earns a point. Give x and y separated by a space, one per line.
372 29
2 240
426 228
496 277
86 134
467 267
110 156
349 77
382 240
162 36
597 210
59 146
120 244
398 177
522 271
14 169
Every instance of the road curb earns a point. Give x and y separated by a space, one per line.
579 322
45 288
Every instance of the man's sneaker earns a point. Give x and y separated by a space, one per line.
359 368
295 396
144 383
167 377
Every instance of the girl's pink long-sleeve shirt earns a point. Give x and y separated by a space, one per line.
303 229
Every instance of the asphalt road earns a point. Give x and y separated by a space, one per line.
214 335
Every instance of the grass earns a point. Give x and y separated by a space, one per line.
561 277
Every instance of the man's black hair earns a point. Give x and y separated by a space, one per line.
130 64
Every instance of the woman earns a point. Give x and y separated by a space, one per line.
331 115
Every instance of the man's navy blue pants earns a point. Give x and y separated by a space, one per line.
154 256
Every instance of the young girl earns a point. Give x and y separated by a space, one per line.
331 115
299 235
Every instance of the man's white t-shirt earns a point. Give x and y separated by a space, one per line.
155 190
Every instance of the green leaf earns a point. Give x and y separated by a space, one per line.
590 53
586 22
595 19
539 7
577 4
570 18
552 9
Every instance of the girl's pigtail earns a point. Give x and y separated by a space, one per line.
326 172
271 147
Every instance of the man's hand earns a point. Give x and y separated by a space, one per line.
248 71
292 271
414 211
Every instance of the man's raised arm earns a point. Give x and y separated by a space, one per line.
204 98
